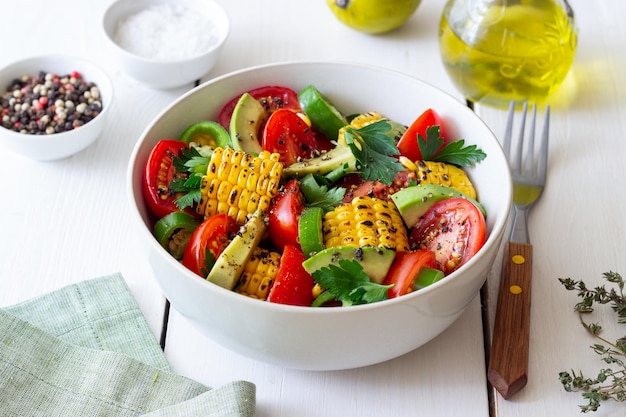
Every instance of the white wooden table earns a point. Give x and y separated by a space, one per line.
66 221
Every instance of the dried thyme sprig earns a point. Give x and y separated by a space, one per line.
610 382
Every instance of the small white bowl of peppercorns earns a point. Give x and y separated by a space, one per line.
52 106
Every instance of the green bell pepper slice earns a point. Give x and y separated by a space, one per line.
207 133
173 232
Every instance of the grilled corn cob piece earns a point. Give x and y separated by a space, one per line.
429 172
237 183
259 274
365 221
358 122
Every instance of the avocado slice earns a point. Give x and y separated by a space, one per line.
414 201
230 264
375 261
245 124
335 158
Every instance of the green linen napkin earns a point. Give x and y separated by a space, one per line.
86 350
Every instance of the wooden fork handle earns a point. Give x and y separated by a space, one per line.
508 357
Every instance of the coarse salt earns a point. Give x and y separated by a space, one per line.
166 32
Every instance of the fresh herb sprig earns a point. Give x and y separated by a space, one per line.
348 283
455 153
374 151
318 192
190 162
610 382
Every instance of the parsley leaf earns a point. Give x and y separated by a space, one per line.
191 188
188 161
454 153
462 156
349 284
317 195
374 151
209 262
430 145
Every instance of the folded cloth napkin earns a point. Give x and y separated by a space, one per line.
86 350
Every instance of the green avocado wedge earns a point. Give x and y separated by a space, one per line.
231 263
246 123
375 261
414 201
339 156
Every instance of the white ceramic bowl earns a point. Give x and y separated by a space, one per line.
158 72
58 145
327 338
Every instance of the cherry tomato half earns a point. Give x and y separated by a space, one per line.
293 284
408 145
271 98
158 174
289 135
284 213
213 235
405 267
454 229
355 185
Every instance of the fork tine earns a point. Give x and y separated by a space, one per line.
517 161
542 164
508 132
530 147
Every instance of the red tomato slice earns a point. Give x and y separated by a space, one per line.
284 213
454 229
405 267
158 174
408 142
287 134
271 98
355 186
293 284
212 235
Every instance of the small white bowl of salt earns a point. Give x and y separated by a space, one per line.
166 43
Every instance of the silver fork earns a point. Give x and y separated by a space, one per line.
508 357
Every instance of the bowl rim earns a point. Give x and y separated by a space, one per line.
222 23
492 239
105 84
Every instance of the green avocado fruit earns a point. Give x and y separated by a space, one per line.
375 261
373 16
339 156
245 124
232 261
414 201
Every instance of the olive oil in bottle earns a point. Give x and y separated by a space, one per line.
496 51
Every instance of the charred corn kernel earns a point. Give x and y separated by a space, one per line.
358 122
407 163
365 119
305 118
365 221
317 290
237 183
429 172
259 274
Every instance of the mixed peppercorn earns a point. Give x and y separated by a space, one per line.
49 103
